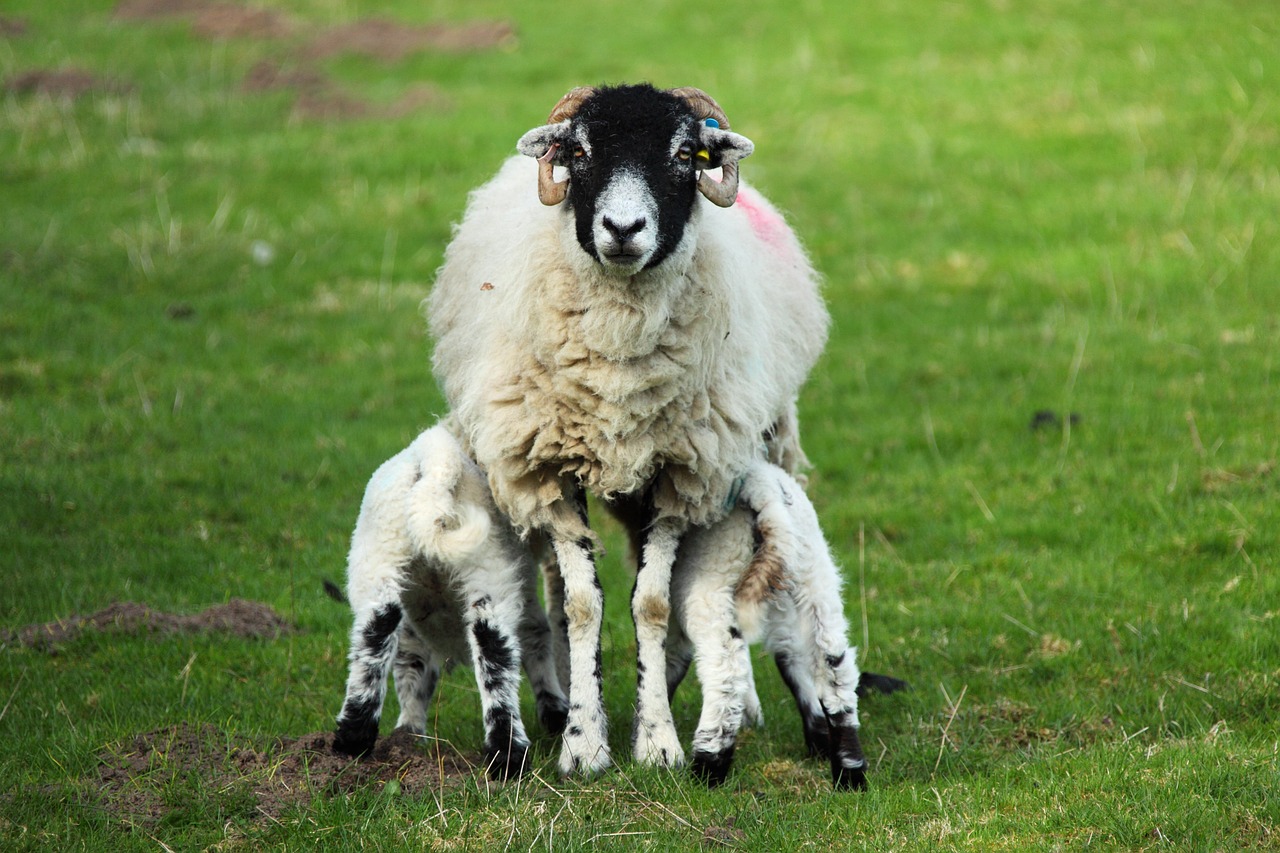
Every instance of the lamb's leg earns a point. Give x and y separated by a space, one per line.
656 740
417 671
539 661
800 682
724 669
586 738
752 713
838 683
373 648
492 621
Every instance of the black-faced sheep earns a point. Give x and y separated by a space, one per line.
435 577
764 573
631 331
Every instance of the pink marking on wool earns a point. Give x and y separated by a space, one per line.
768 225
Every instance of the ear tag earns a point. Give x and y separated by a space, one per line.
703 155
711 122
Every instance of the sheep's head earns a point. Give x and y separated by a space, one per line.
637 158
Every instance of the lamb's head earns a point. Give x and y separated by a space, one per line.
636 158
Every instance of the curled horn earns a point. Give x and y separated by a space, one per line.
724 192
550 191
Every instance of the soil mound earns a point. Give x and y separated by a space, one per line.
136 778
237 617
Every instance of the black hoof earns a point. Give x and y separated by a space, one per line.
874 682
712 768
355 740
508 762
817 738
553 714
849 778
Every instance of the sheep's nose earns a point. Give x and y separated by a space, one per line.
624 232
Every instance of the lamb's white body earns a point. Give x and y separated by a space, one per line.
729 592
667 385
435 577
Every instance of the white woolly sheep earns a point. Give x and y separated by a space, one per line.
637 341
435 577
765 573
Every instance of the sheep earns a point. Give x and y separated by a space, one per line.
765 573
434 577
637 330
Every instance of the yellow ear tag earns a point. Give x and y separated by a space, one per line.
703 155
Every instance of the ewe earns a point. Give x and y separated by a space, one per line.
630 331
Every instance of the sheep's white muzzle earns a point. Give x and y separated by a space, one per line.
625 225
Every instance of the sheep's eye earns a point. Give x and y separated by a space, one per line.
684 153
579 152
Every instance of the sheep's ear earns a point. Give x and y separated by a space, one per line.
536 142
722 146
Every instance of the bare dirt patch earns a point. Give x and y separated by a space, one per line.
136 779
63 83
12 27
391 41
318 97
237 617
211 20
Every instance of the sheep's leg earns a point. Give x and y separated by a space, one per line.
799 681
838 683
492 618
373 648
553 591
656 740
724 669
752 713
586 739
417 671
679 658
540 663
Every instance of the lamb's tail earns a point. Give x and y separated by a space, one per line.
768 573
446 516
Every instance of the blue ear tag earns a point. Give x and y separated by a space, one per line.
711 122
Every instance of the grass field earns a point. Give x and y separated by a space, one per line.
1045 431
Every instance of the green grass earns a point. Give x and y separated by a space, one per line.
1017 207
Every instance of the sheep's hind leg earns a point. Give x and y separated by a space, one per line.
656 741
373 648
586 740
817 736
540 662
417 672
491 624
724 668
838 682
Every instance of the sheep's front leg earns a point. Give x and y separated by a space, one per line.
586 737
656 740
374 639
417 671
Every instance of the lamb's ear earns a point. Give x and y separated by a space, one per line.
536 142
722 146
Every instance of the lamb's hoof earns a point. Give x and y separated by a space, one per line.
658 746
553 714
355 740
874 682
506 762
852 777
712 768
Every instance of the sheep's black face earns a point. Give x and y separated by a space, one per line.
633 155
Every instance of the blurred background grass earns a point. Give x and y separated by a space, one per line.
1044 431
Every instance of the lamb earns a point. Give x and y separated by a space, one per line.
765 572
638 330
434 577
